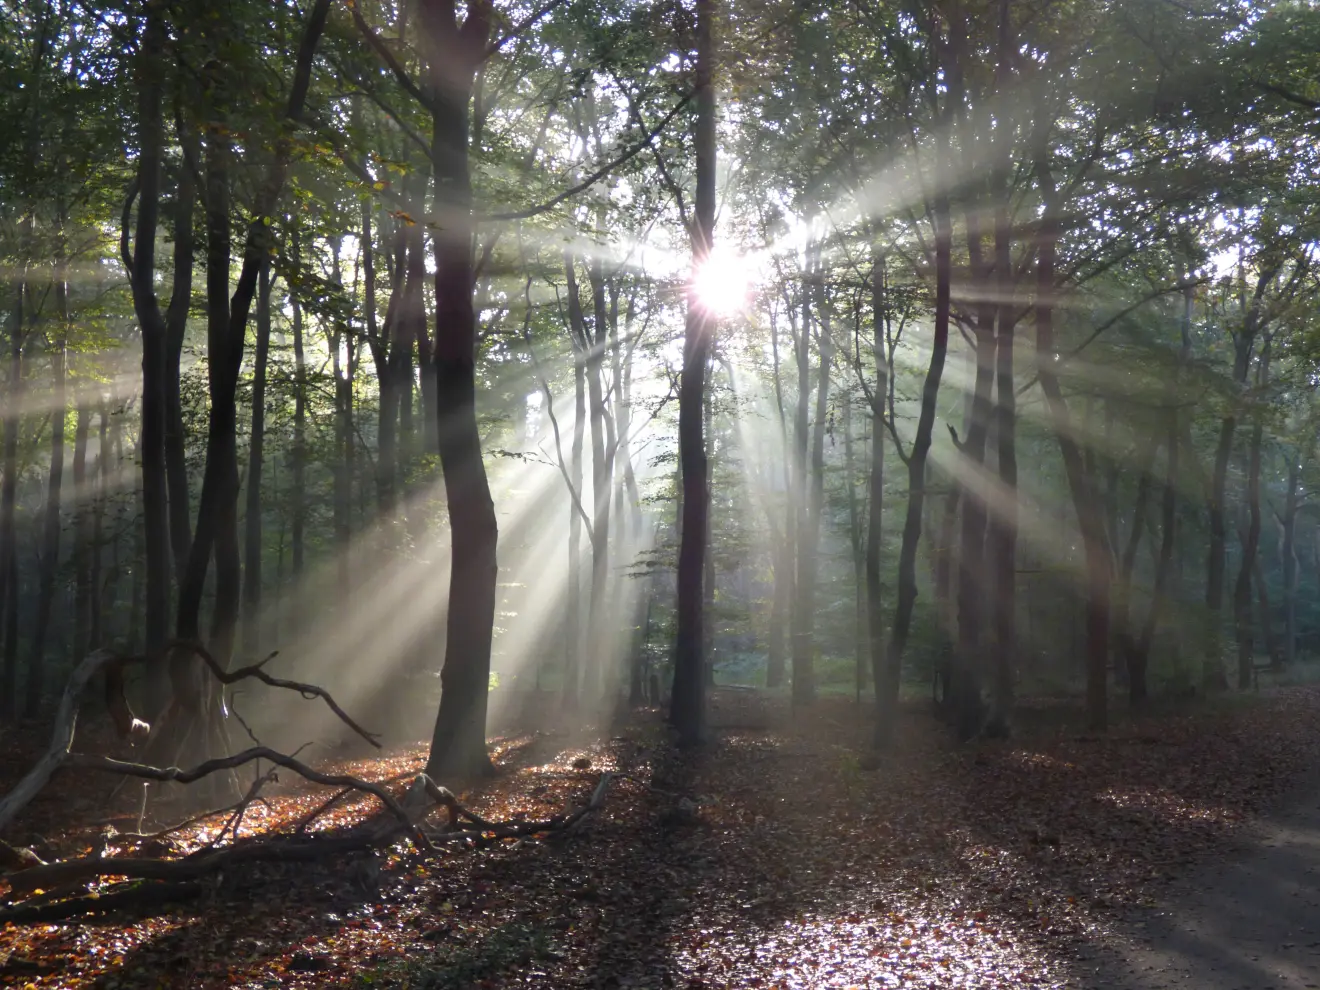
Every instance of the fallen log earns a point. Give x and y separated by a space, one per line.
288 849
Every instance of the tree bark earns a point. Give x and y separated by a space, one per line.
876 482
298 511
256 455
155 509
85 498
1288 551
1242 605
1090 515
458 743
176 324
688 703
50 542
1004 524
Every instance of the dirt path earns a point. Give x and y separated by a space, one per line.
1250 921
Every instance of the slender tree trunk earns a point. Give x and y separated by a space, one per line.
458 743
105 465
176 324
298 511
887 690
782 555
50 543
256 454
974 594
13 406
156 545
1242 623
85 498
217 518
602 469
1137 659
708 565
856 543
573 661
688 704
1090 516
1288 550
875 501
1004 523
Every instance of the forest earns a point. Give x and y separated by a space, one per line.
836 476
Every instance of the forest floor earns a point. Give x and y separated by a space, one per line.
772 859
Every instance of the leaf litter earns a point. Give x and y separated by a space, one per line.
770 859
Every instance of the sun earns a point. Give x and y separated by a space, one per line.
722 284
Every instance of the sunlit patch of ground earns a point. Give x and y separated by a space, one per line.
770 860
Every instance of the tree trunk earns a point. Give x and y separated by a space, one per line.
85 499
156 537
708 565
777 662
50 548
973 586
176 324
458 743
875 500
573 659
256 453
1242 606
1137 659
1288 551
688 703
1090 514
856 543
217 520
101 596
602 470
1004 524
298 511
887 691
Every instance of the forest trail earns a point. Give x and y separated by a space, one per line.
1248 921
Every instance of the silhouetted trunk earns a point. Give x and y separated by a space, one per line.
974 594
156 537
1242 607
1273 647
385 352
176 324
217 517
458 744
50 539
1137 659
856 543
602 470
688 703
298 511
1090 514
887 694
256 453
1243 343
1002 546
102 597
1288 550
708 565
85 498
1123 635
573 658
874 531
804 674
777 662
341 358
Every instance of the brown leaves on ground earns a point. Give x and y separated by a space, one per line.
772 859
